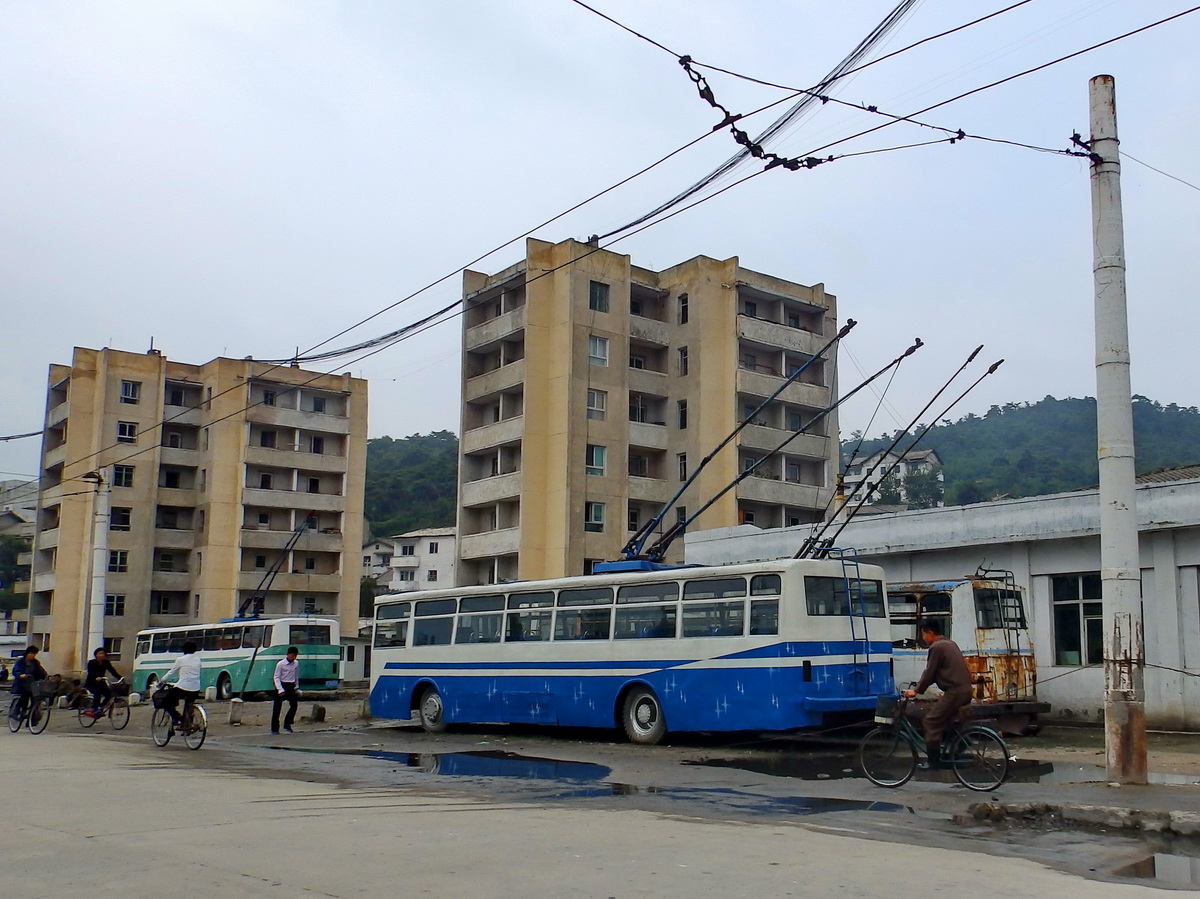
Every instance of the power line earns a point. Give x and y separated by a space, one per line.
21 436
1160 171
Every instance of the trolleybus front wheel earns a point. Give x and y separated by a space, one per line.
431 711
643 717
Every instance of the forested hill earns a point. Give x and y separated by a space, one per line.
411 482
1024 449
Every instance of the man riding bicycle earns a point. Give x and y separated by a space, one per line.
26 672
948 670
96 681
187 682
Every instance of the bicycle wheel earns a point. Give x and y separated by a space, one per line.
15 718
118 713
160 726
85 719
39 715
196 727
887 757
979 759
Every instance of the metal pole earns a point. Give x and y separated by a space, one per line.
1124 690
93 635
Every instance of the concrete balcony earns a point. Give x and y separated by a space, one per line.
643 380
494 329
498 433
261 538
176 496
294 499
650 490
490 490
294 418
174 581
182 415
505 377
58 414
172 455
490 543
782 493
174 538
288 458
774 334
47 539
42 581
292 582
649 330
55 457
168 620
766 439
647 435
760 384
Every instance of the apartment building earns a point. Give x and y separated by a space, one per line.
592 388
869 472
213 475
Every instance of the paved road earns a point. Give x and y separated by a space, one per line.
99 814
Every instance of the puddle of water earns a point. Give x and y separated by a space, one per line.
801 767
1162 867
493 763
1034 771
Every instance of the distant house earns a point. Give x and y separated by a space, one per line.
418 560
873 470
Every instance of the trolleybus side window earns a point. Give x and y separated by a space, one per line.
143 645
939 606
714 619
715 588
635 622
588 623
253 636
902 608
828 596
529 616
391 624
764 613
664 592
429 630
474 627
586 596
998 608
309 633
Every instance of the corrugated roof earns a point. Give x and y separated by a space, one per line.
1166 475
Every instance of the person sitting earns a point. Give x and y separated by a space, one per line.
948 670
80 698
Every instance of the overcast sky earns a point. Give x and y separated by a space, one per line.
247 178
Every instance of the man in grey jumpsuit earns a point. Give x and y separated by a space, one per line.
947 669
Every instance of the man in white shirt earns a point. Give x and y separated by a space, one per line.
287 681
187 681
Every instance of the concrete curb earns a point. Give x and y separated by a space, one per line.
1179 823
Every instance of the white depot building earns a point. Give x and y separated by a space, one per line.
1052 545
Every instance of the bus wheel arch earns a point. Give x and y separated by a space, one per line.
641 714
430 708
224 687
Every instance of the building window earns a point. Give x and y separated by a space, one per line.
794 422
751 309
174 397
433 548
635 517
170 479
122 475
639 466
314 485
114 605
597 350
597 404
595 459
268 398
747 517
431 575
267 439
793 472
749 361
406 575
118 561
310 563
366 561
131 392
1078 619
166 562
317 445
174 440
264 518
264 481
407 549
593 517
119 518
683 308
598 296
683 360
682 459
318 404
310 605
635 306
682 404
261 561
112 648
638 362
127 432
680 513
167 518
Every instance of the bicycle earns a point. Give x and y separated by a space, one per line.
193 724
32 711
115 708
888 754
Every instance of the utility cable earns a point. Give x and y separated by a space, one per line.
1124 155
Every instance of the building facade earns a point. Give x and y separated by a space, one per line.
423 560
869 473
1052 546
214 475
592 388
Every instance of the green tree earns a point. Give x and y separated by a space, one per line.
11 571
888 491
923 489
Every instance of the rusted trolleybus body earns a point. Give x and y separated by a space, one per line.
985 616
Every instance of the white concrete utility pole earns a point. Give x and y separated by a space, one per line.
93 633
1124 687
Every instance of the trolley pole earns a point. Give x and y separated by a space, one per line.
93 631
1124 688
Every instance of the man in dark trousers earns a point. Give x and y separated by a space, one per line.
287 680
947 669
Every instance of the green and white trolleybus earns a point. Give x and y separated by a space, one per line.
238 655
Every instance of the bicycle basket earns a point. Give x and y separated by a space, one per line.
45 689
119 691
159 698
886 709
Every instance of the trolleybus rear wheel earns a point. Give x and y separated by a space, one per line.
643 716
431 711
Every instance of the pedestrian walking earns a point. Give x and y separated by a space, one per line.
287 681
